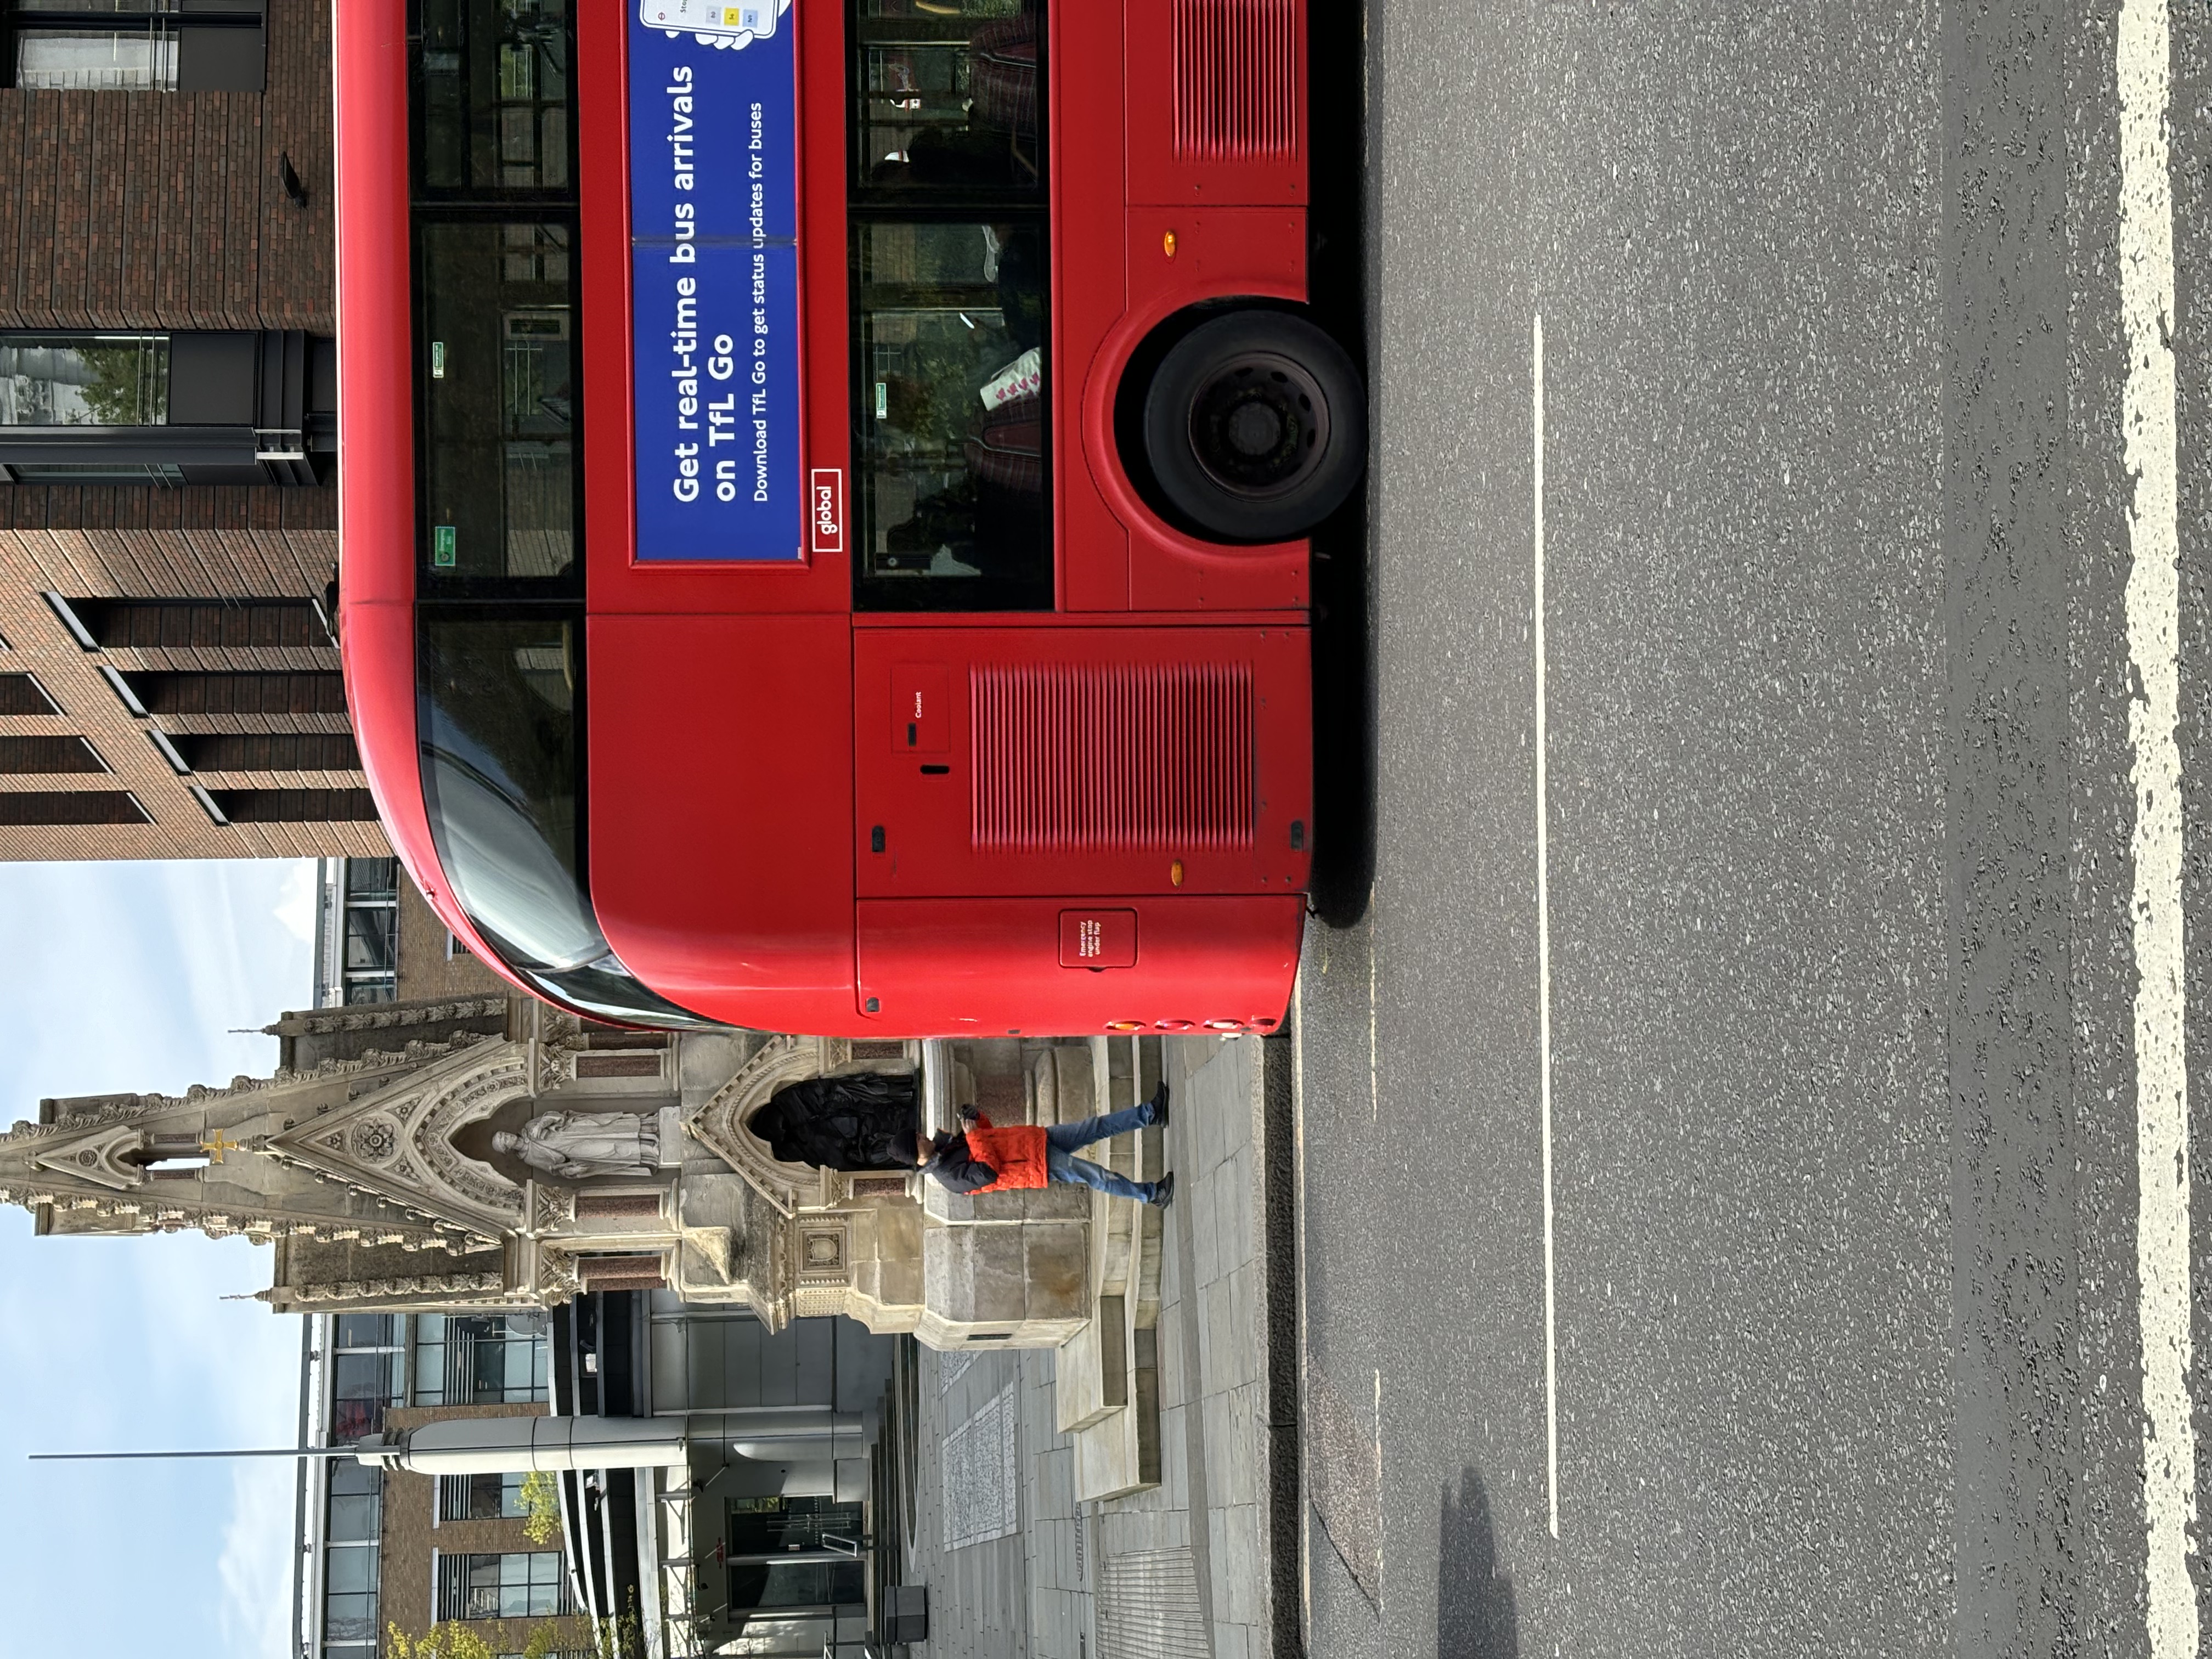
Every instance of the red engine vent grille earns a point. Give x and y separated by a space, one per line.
1102 756
1236 66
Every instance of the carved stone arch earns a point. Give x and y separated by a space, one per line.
394 1142
720 1124
468 1095
101 1157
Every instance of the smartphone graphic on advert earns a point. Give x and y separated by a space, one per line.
710 18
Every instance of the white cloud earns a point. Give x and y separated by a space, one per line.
296 901
255 1566
131 977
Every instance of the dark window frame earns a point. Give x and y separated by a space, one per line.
71 808
433 584
868 202
508 196
159 19
21 694
62 755
92 622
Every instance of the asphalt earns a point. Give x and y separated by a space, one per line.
1846 1351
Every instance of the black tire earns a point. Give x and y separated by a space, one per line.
1256 426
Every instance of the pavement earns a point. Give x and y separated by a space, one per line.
1016 1568
1721 1119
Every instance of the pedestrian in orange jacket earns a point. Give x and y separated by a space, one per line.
986 1159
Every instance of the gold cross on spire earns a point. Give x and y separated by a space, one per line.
215 1148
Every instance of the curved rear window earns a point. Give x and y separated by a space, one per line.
502 781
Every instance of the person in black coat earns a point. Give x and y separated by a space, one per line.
863 1121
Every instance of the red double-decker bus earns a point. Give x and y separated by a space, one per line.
822 497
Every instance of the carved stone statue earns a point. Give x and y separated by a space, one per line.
574 1144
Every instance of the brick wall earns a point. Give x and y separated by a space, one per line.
425 970
168 210
208 561
149 209
411 1534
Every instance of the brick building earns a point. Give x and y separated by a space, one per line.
381 1550
169 686
377 939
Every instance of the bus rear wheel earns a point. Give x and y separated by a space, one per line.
1256 426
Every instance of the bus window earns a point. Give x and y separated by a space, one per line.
494 96
950 97
951 427
496 372
502 780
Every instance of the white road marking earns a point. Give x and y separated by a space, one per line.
1543 940
2154 600
1374 1072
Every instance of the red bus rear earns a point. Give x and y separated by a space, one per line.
823 494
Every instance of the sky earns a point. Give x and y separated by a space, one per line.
129 978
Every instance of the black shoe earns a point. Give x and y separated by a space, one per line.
1158 1102
1162 1191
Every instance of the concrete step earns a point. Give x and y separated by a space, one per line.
1119 1454
1092 1378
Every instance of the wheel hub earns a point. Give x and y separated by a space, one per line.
1258 426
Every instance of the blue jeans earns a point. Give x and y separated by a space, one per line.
1061 1140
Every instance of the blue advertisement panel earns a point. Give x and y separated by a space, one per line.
714 214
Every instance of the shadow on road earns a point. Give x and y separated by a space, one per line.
1474 1601
1343 653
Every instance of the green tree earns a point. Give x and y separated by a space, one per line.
541 1507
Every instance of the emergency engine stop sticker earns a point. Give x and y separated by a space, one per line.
714 224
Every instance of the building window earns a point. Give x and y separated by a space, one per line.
481 1359
357 936
134 46
203 406
369 1373
183 624
294 806
144 59
157 473
64 806
28 756
21 694
268 751
521 1584
480 1496
239 694
84 380
351 1562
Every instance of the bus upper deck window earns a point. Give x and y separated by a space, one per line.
950 99
951 430
494 96
497 383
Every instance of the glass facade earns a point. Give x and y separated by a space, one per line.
518 1584
370 949
369 1373
481 1359
352 1567
96 60
84 380
480 1496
